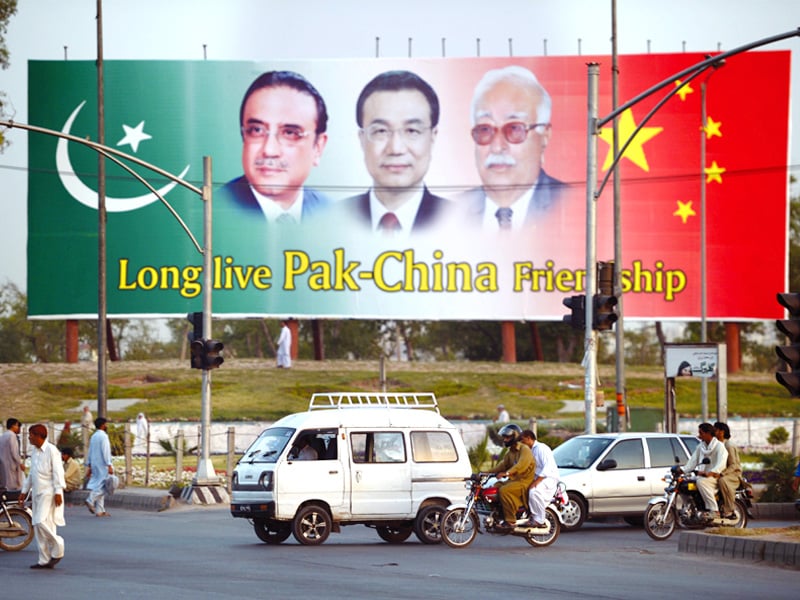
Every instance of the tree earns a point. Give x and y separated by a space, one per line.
8 9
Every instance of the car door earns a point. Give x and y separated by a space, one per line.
663 453
380 474
624 487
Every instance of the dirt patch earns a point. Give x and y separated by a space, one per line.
773 534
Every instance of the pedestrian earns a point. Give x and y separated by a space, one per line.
12 472
72 470
285 346
86 418
64 436
502 415
45 484
98 468
142 428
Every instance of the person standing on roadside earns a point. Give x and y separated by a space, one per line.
45 484
284 358
98 468
12 473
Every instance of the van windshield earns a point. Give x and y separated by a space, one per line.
579 452
268 446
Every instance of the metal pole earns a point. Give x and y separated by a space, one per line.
703 258
590 354
617 416
102 298
205 469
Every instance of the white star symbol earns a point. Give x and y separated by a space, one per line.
134 135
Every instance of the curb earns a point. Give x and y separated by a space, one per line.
776 510
130 499
780 554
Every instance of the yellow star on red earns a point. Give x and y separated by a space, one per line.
712 128
714 172
684 211
684 90
634 152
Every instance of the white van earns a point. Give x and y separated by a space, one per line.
388 461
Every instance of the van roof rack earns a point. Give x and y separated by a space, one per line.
372 400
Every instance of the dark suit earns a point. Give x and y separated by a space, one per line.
432 211
546 195
239 194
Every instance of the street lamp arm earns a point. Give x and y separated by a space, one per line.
105 150
701 66
156 194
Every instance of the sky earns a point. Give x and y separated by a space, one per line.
262 30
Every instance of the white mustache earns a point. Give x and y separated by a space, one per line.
499 160
271 163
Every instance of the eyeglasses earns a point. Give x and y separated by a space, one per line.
286 134
515 132
380 134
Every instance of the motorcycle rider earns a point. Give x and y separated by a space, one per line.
545 479
708 474
731 476
518 465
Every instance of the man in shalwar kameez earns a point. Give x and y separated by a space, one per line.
98 468
45 484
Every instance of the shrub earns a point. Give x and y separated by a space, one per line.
778 475
778 436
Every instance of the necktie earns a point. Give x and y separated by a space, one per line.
389 224
503 215
285 220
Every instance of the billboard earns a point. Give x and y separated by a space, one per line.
300 205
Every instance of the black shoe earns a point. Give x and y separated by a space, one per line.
53 562
46 565
730 517
503 526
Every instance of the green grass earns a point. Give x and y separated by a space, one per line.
254 390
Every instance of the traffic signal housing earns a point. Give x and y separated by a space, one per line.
207 354
790 354
196 335
577 304
604 303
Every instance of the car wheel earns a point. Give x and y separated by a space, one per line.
271 532
574 512
394 535
428 524
312 525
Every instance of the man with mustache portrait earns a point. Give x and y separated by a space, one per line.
511 129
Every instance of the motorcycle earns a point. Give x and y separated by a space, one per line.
462 522
683 506
16 525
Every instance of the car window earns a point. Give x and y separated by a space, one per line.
378 447
268 446
580 452
691 442
433 446
629 454
665 451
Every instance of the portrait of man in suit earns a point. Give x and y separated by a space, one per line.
397 114
283 120
511 128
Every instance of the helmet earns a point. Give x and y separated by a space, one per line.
510 434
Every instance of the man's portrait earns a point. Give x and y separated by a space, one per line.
282 120
397 114
511 128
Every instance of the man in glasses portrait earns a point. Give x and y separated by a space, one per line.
397 114
282 120
511 129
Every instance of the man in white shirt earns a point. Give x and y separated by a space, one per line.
708 474
45 484
284 357
545 479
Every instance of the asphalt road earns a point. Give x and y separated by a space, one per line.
201 552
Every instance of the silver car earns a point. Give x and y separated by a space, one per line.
616 474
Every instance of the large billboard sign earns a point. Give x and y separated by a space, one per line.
407 188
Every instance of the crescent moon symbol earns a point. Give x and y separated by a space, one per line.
86 195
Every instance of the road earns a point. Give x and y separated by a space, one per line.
201 552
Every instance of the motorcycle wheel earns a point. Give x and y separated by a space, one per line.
553 529
394 535
21 520
428 524
574 513
740 510
312 525
658 522
270 532
457 536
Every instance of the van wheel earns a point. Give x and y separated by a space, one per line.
270 532
428 524
394 535
312 525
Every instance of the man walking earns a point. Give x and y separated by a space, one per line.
98 468
12 473
45 484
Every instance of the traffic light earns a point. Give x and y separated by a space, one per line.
198 354
604 303
790 354
577 304
212 357
196 335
